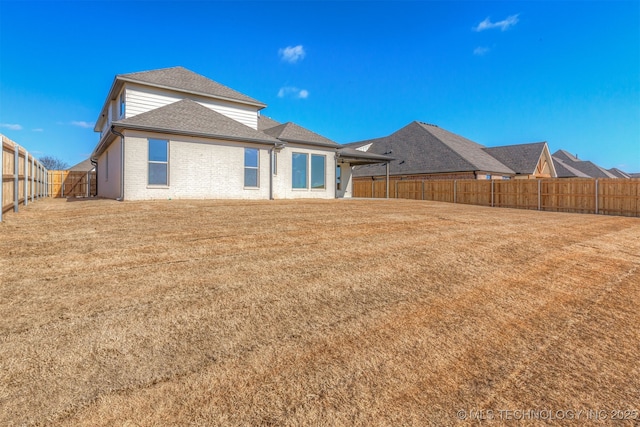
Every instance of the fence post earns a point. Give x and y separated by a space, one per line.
33 177
372 193
396 189
422 189
26 178
596 196
16 183
492 181
455 191
539 196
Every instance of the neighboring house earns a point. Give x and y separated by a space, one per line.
569 166
425 151
172 133
83 166
618 173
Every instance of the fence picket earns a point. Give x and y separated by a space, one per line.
608 196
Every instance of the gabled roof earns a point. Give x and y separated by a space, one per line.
618 173
83 166
179 78
565 170
423 148
522 158
291 132
565 156
587 168
265 122
187 117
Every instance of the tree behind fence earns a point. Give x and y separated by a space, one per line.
602 196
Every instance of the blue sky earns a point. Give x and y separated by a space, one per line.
495 72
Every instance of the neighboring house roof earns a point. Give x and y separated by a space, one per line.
187 81
565 170
521 158
291 132
618 173
265 122
634 175
587 168
187 117
423 148
565 156
83 166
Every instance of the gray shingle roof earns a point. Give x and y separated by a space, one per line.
83 166
565 170
190 118
185 80
291 132
586 167
265 122
618 173
422 148
522 158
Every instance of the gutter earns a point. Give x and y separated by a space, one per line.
113 131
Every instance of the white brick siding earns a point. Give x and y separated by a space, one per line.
198 169
282 183
109 187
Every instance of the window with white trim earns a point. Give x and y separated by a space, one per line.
122 104
251 160
299 168
318 174
158 162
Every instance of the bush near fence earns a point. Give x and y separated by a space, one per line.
24 178
608 196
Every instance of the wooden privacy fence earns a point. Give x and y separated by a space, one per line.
608 196
72 183
24 178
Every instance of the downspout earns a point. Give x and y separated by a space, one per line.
113 131
94 162
271 173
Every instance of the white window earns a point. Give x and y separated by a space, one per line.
158 162
338 177
299 169
274 162
251 167
122 105
318 171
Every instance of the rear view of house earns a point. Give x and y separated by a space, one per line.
172 133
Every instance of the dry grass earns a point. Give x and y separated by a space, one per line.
312 313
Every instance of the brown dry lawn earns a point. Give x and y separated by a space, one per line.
332 312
